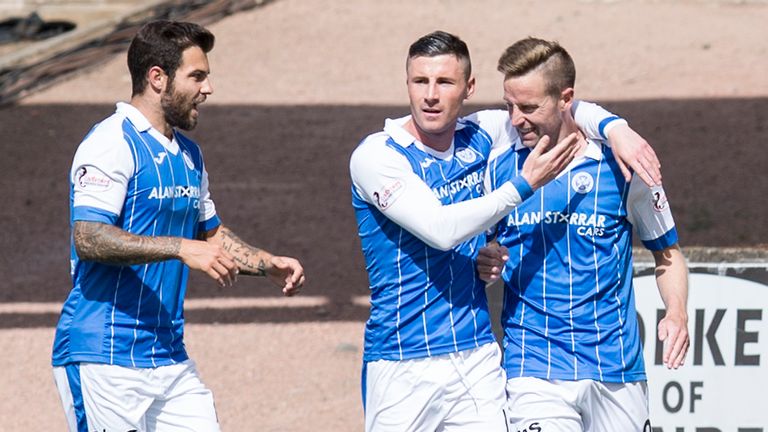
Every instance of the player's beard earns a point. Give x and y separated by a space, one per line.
177 109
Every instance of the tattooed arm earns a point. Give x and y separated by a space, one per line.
251 261
95 241
285 272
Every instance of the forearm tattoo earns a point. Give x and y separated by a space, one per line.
101 242
250 260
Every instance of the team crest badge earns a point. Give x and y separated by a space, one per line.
582 183
466 154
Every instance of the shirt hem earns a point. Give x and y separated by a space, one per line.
140 363
422 353
628 377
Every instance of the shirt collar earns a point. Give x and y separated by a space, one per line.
134 116
593 150
141 124
394 128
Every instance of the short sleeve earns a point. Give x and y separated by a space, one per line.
595 120
101 169
648 211
208 217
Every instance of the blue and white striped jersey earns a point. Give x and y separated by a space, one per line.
425 301
419 212
569 307
127 174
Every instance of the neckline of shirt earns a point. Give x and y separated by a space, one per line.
394 128
140 122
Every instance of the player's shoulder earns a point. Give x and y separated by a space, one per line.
113 124
376 153
493 124
107 133
373 145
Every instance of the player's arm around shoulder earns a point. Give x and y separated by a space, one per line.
285 272
633 153
383 178
496 124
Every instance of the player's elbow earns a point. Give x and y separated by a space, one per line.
440 243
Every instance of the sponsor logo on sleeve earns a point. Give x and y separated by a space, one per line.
91 179
388 194
659 201
582 182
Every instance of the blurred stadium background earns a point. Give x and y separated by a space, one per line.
297 84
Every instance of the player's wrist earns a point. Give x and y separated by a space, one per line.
181 247
609 124
523 186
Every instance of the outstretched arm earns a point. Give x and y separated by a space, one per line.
672 280
97 241
385 179
285 272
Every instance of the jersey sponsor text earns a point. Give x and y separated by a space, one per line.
175 192
474 179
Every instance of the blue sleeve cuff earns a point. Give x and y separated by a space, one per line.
668 239
209 224
93 214
604 123
522 186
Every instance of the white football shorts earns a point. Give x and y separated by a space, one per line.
462 391
116 398
536 405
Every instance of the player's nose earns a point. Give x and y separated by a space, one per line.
516 117
207 87
432 94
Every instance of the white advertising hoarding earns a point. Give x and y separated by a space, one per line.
723 386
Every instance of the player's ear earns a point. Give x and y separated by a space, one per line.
157 79
470 87
566 99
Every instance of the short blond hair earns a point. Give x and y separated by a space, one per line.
549 57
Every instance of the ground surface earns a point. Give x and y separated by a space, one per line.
297 85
